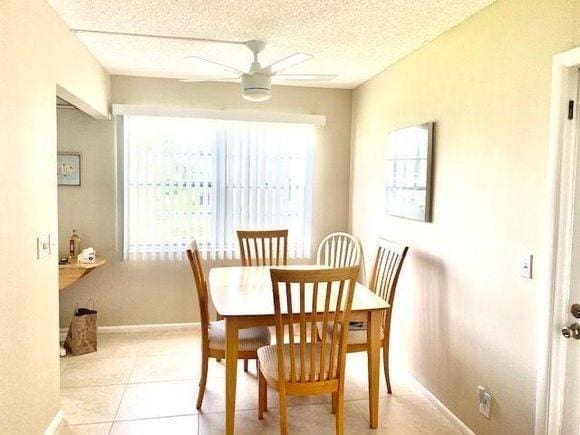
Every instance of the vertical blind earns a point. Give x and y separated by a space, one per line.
204 179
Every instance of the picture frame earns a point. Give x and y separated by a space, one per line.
68 168
409 171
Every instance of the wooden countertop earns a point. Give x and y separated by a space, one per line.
73 271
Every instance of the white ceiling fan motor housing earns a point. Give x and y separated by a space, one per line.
256 87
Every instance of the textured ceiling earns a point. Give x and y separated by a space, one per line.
355 39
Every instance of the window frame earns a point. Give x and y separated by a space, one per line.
214 253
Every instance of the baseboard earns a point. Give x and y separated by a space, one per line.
125 329
444 410
54 424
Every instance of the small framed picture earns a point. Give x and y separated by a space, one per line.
409 166
68 169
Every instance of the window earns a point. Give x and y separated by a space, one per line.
201 179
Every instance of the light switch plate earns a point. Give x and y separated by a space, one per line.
526 264
484 401
43 246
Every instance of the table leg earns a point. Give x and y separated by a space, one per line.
231 372
374 348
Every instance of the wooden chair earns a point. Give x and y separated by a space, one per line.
306 366
339 250
213 333
384 278
263 248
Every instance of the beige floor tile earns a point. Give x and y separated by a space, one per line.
64 363
247 423
158 399
292 401
184 425
320 420
170 343
409 415
356 384
218 369
165 368
179 366
92 372
246 394
84 429
90 404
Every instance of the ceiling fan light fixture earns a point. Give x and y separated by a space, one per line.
256 87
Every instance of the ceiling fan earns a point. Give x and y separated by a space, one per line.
257 82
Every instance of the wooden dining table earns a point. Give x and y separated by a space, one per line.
243 297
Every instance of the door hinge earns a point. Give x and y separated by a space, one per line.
571 109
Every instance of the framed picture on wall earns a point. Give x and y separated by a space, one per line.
68 169
409 167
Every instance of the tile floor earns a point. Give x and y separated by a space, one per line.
146 383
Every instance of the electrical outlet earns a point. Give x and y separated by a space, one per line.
484 401
526 263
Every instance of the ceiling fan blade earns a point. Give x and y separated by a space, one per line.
208 79
287 62
306 77
226 67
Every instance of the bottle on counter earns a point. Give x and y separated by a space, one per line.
74 244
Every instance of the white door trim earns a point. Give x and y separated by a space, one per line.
552 299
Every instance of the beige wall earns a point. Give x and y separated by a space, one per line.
142 293
36 53
463 316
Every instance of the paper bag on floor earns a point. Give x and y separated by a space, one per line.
82 332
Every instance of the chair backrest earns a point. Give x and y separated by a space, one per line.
305 297
263 248
200 284
386 270
339 250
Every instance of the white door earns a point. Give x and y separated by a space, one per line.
570 319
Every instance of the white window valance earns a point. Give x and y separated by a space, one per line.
228 115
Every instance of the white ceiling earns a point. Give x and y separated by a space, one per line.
355 39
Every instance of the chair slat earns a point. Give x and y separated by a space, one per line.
336 328
313 331
302 326
290 331
253 247
339 250
383 273
324 326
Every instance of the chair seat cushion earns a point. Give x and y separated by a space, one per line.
250 339
268 357
356 336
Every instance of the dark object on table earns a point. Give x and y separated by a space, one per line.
357 326
63 260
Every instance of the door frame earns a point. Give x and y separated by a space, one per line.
555 286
